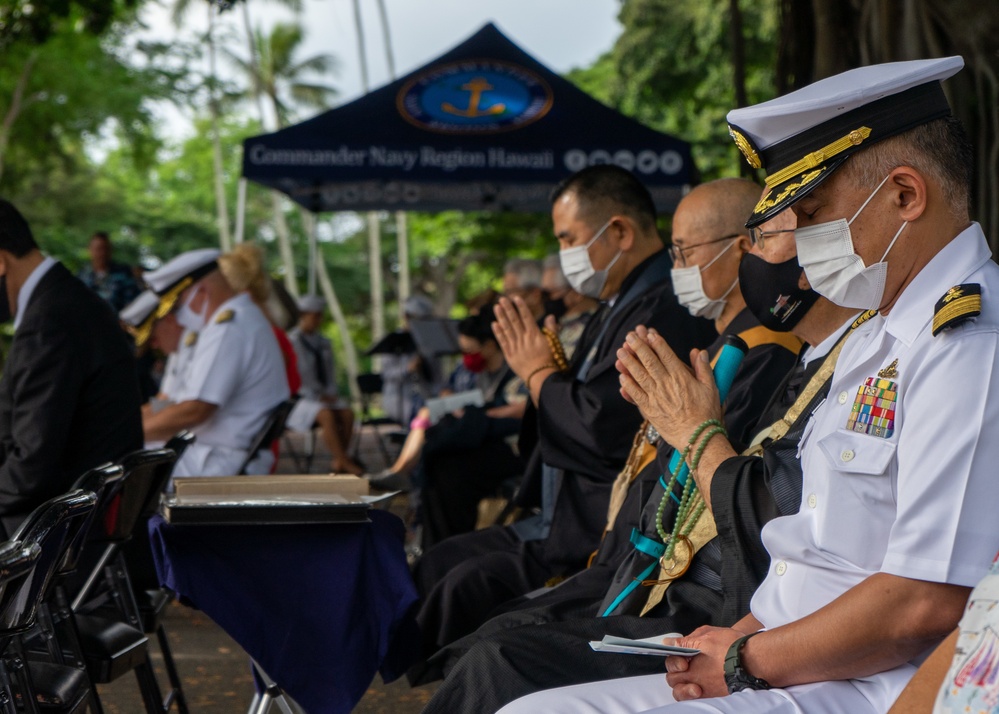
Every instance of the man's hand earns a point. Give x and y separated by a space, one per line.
520 338
702 675
673 398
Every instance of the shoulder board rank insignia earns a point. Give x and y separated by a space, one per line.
225 316
190 339
959 304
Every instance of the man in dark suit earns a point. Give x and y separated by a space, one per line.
69 396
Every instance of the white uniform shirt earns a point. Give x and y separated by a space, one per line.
236 365
919 500
177 365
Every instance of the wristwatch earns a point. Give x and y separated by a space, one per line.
736 676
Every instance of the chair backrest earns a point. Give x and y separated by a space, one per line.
179 443
105 482
368 384
272 430
142 481
17 560
51 528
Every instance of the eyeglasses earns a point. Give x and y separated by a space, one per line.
758 236
678 254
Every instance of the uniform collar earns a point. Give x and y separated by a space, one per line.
236 301
951 266
24 295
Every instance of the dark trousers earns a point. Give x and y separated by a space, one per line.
455 482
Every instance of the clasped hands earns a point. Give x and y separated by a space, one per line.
671 396
524 345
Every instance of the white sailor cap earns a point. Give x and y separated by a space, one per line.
139 315
173 277
802 137
311 303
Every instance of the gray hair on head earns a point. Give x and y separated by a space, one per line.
527 270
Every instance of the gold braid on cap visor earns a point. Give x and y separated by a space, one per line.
854 138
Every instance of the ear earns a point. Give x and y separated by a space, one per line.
623 230
743 245
909 192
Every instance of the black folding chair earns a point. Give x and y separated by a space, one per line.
52 529
107 614
270 432
369 385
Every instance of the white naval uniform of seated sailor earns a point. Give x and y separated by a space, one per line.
237 365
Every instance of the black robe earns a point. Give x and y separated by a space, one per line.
585 428
528 650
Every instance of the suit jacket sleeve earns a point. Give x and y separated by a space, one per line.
44 387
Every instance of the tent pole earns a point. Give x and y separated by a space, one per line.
402 247
310 227
349 351
240 211
375 272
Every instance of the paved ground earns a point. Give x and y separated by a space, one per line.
215 670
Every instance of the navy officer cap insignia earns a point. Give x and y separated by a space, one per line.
177 274
959 304
803 137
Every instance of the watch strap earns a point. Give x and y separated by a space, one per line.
736 676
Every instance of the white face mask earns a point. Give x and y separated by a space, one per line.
833 268
579 271
188 318
690 293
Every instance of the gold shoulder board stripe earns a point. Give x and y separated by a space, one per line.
957 311
225 316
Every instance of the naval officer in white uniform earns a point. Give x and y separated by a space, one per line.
236 377
897 518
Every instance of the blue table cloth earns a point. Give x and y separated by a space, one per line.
321 608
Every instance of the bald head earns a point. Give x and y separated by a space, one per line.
718 208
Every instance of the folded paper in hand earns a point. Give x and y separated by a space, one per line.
453 402
647 646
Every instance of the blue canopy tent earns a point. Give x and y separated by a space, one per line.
482 127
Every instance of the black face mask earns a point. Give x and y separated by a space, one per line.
554 307
5 315
772 294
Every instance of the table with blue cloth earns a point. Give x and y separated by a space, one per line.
320 608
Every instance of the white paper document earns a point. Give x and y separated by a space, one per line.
440 406
647 646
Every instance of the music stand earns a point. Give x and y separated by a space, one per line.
435 337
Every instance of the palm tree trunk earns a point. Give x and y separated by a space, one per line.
280 224
221 209
374 237
401 237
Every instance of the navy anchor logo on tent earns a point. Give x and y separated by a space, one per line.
475 88
476 96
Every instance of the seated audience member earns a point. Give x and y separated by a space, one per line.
320 401
69 395
410 378
894 524
113 282
522 278
467 454
482 367
542 641
572 310
578 428
236 376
